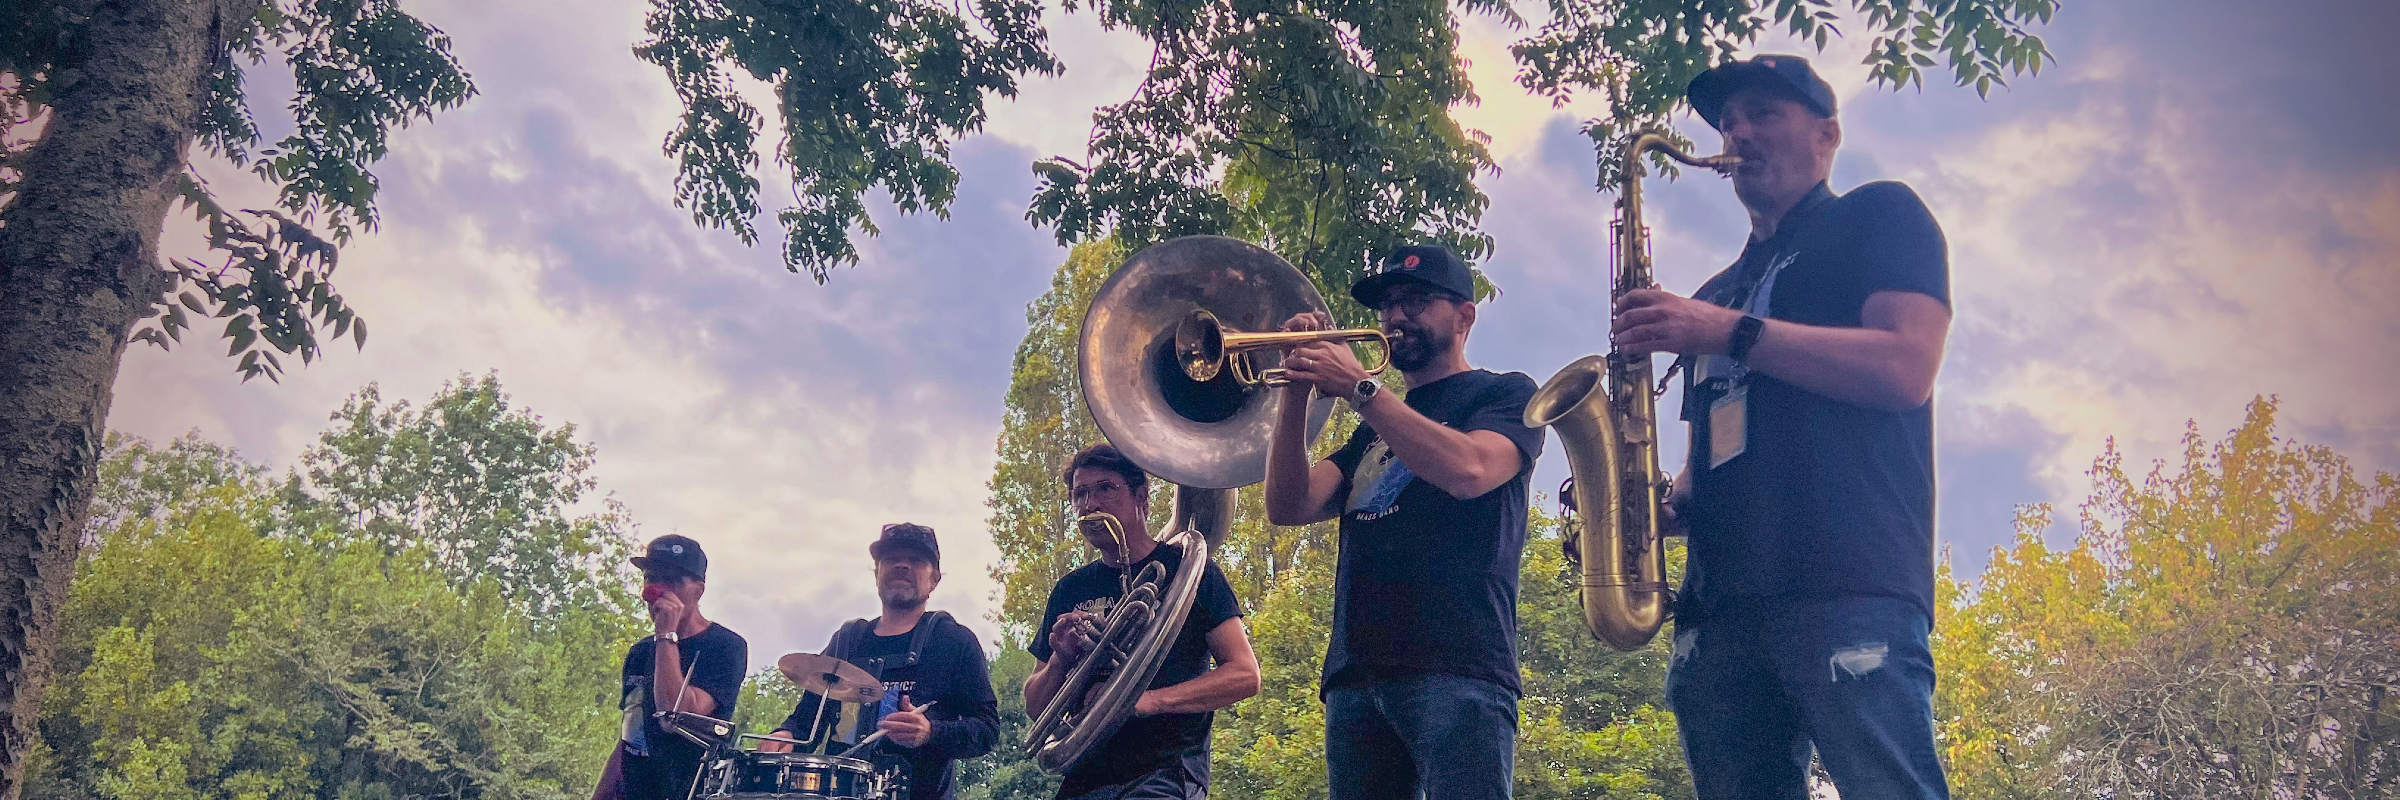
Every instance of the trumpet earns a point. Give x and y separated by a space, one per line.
1206 347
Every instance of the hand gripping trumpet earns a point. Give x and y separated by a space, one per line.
1606 413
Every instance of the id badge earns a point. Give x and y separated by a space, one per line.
1729 425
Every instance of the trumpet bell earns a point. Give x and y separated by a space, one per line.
1200 345
1205 434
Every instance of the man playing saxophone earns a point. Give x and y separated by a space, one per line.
1809 491
1420 683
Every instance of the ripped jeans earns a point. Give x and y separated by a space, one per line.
1753 691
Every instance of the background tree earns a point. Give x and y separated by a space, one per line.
1319 129
226 639
2225 628
868 94
487 489
1323 130
100 104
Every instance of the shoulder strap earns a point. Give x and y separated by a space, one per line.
924 635
846 639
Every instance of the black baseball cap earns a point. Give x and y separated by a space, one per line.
677 552
910 535
1786 75
1432 265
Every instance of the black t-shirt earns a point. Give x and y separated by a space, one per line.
1828 498
949 672
1144 744
660 763
1426 582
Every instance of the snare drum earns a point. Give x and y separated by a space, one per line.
798 776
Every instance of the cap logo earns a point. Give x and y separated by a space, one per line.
675 548
1410 262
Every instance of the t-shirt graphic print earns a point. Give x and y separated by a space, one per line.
1375 490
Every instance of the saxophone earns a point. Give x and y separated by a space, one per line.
1607 417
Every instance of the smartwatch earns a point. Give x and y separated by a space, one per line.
1364 391
1745 334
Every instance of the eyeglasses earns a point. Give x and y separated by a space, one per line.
1093 491
1410 303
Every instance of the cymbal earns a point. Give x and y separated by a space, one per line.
838 680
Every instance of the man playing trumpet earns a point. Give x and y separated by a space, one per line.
1420 683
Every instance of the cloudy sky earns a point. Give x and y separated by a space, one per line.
2198 204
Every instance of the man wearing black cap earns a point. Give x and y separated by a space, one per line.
1809 491
1420 682
1161 752
937 704
700 673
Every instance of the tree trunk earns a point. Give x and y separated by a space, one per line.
79 265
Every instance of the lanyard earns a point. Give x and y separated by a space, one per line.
1759 263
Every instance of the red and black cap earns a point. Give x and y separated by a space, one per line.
1432 265
1789 76
676 552
907 535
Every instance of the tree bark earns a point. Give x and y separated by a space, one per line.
79 265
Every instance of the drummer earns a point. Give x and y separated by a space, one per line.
924 659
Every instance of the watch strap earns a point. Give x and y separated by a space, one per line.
1745 335
1364 391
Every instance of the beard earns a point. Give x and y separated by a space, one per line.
903 596
1417 347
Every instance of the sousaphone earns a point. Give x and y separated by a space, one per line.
1207 437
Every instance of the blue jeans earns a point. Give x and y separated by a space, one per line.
1187 779
1753 690
1442 737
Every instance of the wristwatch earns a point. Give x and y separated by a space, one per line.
670 637
1364 391
1745 334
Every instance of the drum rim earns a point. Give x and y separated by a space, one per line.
841 762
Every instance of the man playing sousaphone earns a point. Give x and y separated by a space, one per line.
1162 750
923 658
1420 683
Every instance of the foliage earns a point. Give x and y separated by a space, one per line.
1006 774
218 643
484 487
361 68
1322 130
2224 629
1640 54
868 94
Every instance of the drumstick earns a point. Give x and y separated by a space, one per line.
877 736
773 739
